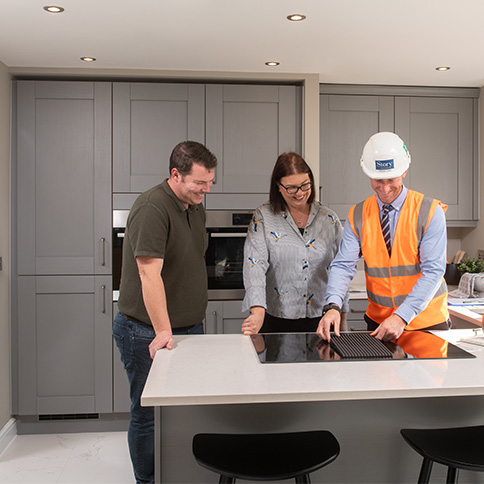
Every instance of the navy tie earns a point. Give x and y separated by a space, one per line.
385 227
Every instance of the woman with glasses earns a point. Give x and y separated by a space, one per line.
290 244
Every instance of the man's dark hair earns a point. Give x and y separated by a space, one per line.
186 153
287 164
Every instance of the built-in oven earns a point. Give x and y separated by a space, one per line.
226 231
119 227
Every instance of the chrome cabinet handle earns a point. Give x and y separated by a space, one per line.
215 323
103 288
103 251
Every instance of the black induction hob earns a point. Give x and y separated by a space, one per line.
309 347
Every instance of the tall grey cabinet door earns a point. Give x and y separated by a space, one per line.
439 136
247 128
149 120
121 399
64 177
65 352
346 123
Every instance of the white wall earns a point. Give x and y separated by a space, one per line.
5 387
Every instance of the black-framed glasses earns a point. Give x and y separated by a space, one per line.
293 190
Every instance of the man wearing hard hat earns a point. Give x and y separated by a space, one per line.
402 237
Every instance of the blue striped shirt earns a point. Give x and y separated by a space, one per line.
432 254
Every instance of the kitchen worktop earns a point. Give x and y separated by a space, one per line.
216 383
463 312
225 369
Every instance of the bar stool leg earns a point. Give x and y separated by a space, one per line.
452 475
303 479
424 476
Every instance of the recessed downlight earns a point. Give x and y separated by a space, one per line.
272 63
296 17
88 59
53 9
442 68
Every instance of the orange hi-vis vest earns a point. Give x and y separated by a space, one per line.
389 280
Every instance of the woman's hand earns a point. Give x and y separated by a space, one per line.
254 322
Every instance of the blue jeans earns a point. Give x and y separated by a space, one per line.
133 339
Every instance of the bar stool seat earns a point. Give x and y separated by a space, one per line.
457 448
265 457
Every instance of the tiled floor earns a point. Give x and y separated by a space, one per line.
85 458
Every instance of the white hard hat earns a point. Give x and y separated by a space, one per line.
385 156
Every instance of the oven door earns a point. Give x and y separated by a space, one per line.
225 257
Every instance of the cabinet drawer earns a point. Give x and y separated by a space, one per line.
357 308
356 321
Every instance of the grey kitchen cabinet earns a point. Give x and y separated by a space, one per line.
438 126
149 120
121 400
64 353
224 317
356 313
63 173
247 128
346 123
439 133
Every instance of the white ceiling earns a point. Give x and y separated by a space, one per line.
394 42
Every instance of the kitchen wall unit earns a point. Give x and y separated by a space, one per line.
149 120
346 123
438 125
246 127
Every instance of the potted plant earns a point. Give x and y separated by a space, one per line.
474 266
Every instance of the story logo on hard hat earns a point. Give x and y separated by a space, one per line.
385 164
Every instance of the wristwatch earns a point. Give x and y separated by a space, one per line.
331 306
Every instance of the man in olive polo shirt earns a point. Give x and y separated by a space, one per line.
163 288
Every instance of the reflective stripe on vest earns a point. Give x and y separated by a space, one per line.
389 302
389 280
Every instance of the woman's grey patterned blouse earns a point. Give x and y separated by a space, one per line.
284 271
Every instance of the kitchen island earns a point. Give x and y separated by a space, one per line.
216 383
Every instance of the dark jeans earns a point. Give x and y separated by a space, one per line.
132 339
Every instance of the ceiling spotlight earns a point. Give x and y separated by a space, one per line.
296 17
272 63
88 59
53 9
442 68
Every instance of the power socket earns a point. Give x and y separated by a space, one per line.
480 254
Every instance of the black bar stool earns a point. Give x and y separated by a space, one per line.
457 448
265 457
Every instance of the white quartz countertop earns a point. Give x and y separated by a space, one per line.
225 369
466 313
